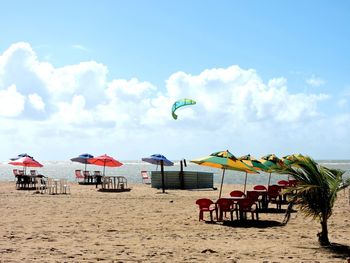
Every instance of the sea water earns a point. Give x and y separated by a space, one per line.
132 171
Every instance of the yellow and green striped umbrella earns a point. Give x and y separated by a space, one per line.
271 161
252 162
224 160
292 158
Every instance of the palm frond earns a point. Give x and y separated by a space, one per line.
317 186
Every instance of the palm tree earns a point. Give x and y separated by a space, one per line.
316 191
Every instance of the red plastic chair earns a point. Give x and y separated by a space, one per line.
255 196
247 206
293 183
205 205
260 187
283 183
274 195
237 193
224 206
145 177
78 175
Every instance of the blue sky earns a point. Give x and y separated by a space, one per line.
268 76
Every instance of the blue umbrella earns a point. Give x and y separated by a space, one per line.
161 160
82 158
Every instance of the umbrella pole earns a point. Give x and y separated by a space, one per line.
222 181
162 172
104 167
85 167
268 184
245 182
181 176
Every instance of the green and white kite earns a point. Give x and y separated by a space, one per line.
179 104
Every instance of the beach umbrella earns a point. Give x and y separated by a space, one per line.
251 161
226 161
82 158
104 160
20 155
161 160
271 161
290 159
26 162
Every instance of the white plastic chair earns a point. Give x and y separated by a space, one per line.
106 182
40 186
64 186
50 186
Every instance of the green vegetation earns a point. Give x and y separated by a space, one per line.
316 191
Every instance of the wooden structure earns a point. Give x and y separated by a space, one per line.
186 180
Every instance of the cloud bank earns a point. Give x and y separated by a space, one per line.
57 113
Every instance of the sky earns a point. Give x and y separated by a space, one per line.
101 77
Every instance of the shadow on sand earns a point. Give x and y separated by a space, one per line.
336 250
275 211
339 250
249 223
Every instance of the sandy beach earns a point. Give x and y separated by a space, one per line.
144 225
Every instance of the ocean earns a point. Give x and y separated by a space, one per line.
132 171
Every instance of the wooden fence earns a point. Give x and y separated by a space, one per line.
191 180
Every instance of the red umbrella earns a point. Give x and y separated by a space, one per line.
26 162
105 160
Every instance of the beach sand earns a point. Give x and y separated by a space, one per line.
144 225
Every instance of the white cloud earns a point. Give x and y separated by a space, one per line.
11 102
315 81
241 95
36 101
81 108
80 47
85 78
73 112
342 103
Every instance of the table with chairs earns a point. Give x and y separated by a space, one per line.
25 181
87 177
242 205
41 184
54 186
114 184
238 206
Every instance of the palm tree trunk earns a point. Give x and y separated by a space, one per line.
323 235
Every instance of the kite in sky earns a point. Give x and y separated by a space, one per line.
179 104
